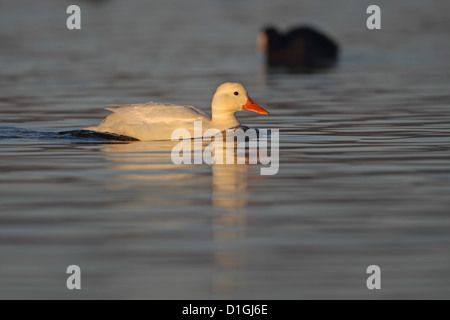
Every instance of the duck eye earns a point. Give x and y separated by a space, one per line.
236 93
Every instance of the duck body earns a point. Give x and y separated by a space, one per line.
301 49
151 121
157 121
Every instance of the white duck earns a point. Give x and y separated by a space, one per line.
157 121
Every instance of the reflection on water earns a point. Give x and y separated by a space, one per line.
230 199
229 187
150 161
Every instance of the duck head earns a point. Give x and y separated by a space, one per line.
231 98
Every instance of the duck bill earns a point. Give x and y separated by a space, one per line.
253 107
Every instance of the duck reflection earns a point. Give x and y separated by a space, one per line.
144 161
230 201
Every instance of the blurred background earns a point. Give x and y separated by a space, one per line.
364 154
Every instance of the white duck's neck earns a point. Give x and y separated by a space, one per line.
222 118
224 121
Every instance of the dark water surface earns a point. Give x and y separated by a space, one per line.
364 173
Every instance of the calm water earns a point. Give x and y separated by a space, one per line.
364 149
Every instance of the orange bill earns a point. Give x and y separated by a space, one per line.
253 107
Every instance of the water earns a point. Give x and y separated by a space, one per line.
364 176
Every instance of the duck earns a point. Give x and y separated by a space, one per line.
157 121
301 49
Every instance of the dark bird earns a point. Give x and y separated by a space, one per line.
301 49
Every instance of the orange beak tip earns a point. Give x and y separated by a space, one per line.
251 106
